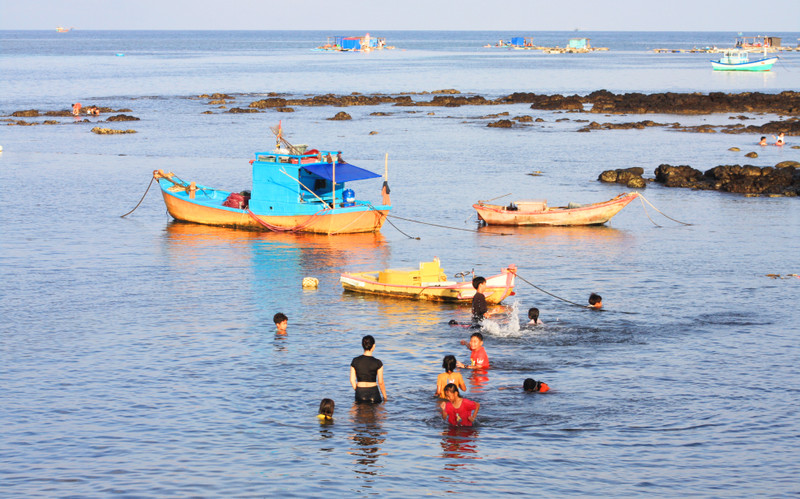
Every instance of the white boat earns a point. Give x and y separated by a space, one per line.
739 60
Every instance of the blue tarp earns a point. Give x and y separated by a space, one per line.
345 172
351 43
518 41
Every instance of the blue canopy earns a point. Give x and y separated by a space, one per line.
345 172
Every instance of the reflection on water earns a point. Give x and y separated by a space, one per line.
459 445
397 311
368 436
546 235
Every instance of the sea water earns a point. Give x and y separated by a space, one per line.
138 355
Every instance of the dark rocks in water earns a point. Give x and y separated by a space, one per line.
379 113
62 114
524 119
341 116
734 149
785 164
284 109
239 110
638 125
751 154
29 113
122 117
747 179
501 124
271 102
215 96
448 91
110 131
787 102
631 177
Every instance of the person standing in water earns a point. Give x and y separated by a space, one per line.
458 411
366 374
449 376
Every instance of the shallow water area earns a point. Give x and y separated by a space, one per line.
139 356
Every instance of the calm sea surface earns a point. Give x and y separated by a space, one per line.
138 355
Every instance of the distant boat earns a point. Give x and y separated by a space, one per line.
739 60
429 282
61 29
538 213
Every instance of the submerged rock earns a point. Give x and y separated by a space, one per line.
341 116
110 131
501 124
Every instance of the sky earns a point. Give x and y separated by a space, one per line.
479 15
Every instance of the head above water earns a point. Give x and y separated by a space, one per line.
451 388
531 385
595 299
449 363
326 408
533 314
477 281
367 342
279 317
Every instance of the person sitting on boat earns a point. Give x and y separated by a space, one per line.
533 315
328 158
763 141
780 139
595 301
339 158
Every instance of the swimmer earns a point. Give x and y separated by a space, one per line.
595 301
478 358
763 141
530 385
533 315
281 321
780 139
326 410
458 411
449 376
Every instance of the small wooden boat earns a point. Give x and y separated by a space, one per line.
429 282
538 213
293 190
739 60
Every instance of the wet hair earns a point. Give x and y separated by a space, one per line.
279 317
477 281
453 322
326 408
762 138
533 314
367 342
450 387
449 363
531 385
476 335
594 298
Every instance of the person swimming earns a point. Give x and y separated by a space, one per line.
326 410
449 376
595 301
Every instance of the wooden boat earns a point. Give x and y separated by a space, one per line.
739 60
429 282
538 213
293 190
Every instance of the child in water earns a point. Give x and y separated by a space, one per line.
449 376
281 321
533 315
326 410
763 141
458 411
595 301
478 358
530 385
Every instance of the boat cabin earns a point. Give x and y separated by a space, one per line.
578 43
429 272
734 57
300 182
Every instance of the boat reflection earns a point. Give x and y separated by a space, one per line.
313 250
459 444
543 234
399 311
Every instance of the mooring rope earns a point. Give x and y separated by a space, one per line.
548 292
667 216
140 201
448 227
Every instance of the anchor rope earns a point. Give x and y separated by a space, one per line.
140 201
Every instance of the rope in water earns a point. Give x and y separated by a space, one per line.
548 292
140 201
448 227
667 216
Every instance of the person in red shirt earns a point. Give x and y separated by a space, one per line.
458 411
478 358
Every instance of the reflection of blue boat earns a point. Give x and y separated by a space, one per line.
739 60
293 190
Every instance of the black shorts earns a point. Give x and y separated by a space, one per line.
368 395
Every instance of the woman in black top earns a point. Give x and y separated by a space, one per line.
366 374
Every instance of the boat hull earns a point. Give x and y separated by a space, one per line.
592 214
759 65
206 208
498 288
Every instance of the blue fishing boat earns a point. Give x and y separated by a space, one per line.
293 190
739 60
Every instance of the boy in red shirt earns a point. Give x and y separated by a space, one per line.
458 411
478 358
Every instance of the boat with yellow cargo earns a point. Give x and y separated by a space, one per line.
429 282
